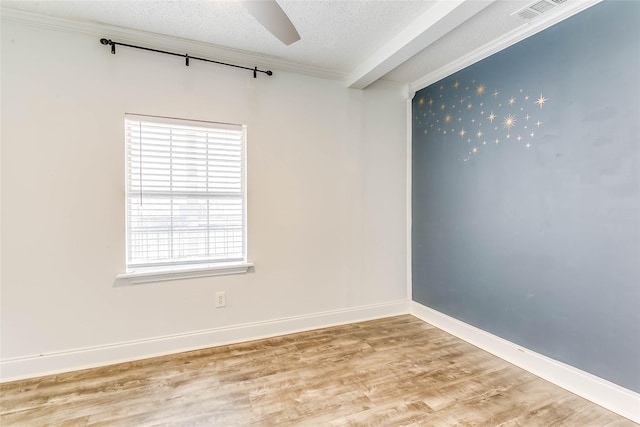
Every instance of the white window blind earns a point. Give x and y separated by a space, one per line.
185 192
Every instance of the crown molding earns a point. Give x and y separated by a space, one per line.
527 30
164 42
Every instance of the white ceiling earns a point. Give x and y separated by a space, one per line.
356 40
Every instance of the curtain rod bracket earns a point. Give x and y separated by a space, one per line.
109 42
186 56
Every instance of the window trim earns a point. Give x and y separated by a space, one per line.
164 274
178 271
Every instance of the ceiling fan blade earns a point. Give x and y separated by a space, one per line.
271 16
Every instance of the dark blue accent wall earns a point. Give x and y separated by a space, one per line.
526 193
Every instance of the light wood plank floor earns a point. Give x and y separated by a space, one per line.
387 372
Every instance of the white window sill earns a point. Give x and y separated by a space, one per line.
148 275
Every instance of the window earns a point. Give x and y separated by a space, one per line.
186 197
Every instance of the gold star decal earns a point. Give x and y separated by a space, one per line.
480 89
474 150
491 117
479 134
541 100
456 85
495 94
447 118
538 123
469 106
509 122
512 100
497 141
528 145
430 102
442 107
462 133
421 101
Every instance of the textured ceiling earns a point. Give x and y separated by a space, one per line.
357 40
336 35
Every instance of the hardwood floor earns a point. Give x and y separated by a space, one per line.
387 372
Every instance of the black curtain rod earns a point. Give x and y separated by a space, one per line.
186 56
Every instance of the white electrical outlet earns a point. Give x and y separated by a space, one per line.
221 299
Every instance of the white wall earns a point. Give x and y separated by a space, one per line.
326 194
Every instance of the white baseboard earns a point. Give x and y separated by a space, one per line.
83 358
602 392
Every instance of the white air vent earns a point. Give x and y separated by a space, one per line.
537 8
542 6
527 14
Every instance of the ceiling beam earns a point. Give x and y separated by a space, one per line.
527 29
437 21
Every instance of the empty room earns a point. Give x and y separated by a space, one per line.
308 212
